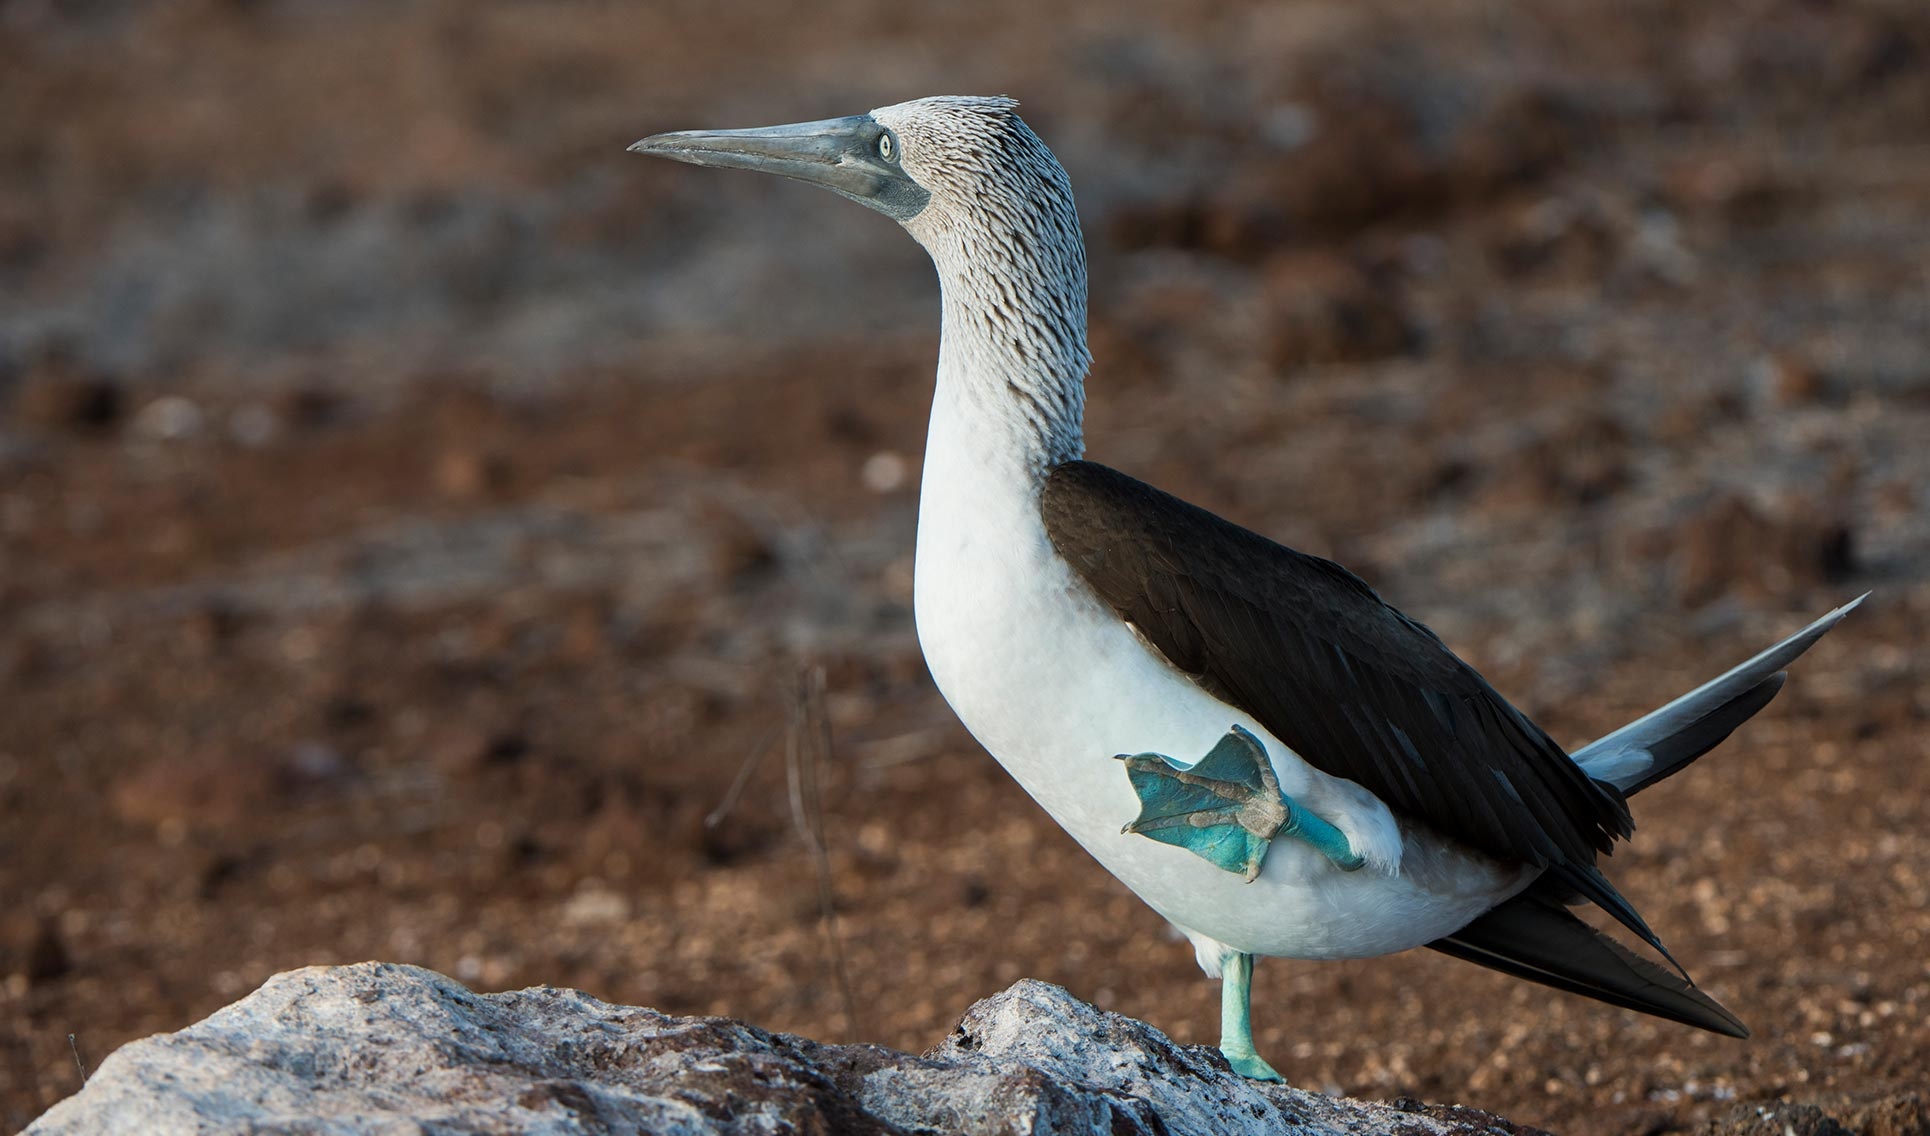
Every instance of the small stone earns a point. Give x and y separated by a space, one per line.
169 418
595 905
885 472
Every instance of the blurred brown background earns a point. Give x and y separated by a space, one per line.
414 510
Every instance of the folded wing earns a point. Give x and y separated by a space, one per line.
1356 688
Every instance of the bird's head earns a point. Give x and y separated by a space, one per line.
944 167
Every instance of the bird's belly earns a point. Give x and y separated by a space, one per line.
1054 686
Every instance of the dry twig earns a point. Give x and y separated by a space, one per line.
809 746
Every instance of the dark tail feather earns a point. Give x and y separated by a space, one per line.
1533 936
1589 883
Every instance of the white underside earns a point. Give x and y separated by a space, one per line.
1054 685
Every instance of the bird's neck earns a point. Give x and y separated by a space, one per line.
1012 364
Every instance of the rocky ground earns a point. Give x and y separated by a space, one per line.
351 1049
416 514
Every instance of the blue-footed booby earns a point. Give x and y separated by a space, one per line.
1267 753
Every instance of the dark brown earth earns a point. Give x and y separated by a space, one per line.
415 512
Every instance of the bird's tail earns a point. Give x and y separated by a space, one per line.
1534 936
1664 741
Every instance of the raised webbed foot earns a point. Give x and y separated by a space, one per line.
1228 808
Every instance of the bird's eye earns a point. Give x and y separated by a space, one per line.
887 149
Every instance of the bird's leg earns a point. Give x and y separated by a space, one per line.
1227 808
1236 1024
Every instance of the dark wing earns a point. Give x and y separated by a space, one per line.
1357 689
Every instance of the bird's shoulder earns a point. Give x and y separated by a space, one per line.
1125 537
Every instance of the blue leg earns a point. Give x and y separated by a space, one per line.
1328 840
1236 1024
1227 808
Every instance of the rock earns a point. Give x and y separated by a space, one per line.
1899 1114
379 1047
1779 1119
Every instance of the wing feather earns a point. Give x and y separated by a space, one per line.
1356 688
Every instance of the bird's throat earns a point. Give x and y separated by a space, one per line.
1013 359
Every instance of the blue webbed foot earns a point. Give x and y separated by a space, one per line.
1228 808
1249 1064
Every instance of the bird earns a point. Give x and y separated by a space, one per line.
1272 757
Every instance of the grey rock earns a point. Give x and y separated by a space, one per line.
382 1048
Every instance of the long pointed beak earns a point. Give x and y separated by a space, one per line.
803 150
841 154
